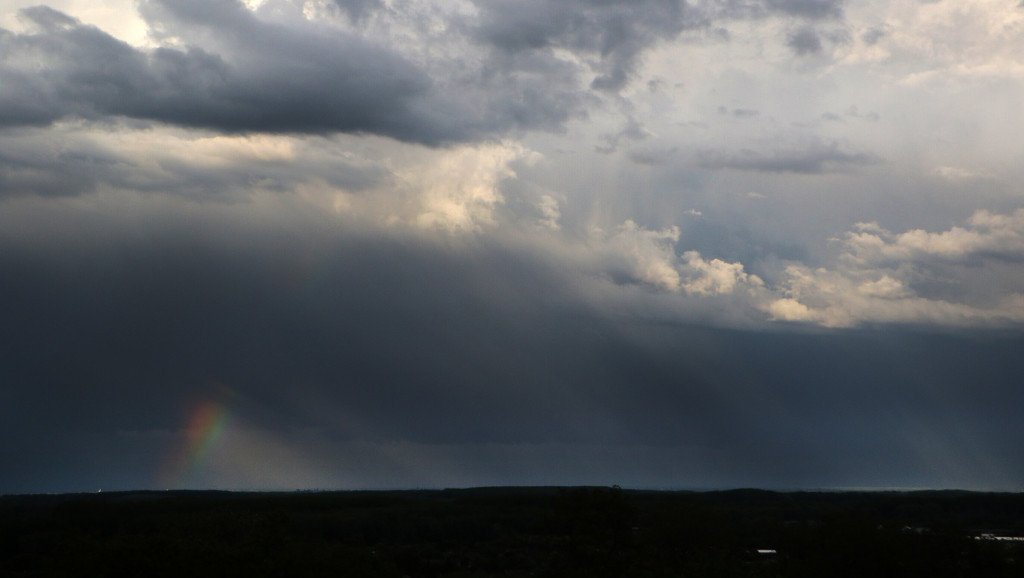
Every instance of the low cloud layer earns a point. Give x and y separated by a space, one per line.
365 360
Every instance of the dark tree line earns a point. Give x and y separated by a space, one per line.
510 532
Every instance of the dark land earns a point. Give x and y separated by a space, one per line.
513 532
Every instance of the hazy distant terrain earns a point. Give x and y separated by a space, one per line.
511 532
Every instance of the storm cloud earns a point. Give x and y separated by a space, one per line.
82 72
231 71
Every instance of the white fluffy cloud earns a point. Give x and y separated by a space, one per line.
715 277
651 257
459 191
985 234
883 277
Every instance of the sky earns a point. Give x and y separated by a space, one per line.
340 244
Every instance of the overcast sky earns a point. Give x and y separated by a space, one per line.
281 244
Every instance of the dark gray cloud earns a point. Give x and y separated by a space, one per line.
804 41
739 112
811 9
238 73
225 68
652 156
872 36
277 80
633 131
30 164
358 338
816 158
357 10
804 9
63 173
614 31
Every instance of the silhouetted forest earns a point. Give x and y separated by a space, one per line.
512 532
